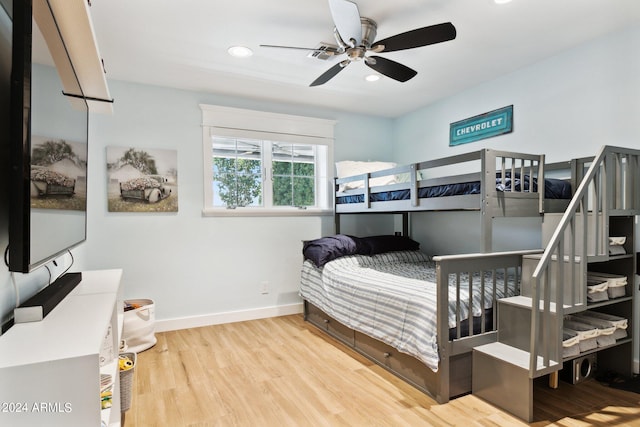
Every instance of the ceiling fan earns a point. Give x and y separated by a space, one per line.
355 36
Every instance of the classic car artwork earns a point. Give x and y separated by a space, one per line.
149 188
48 183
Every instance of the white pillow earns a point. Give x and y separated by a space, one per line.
347 168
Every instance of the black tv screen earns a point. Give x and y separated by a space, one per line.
48 138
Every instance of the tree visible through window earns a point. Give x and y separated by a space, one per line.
237 172
293 175
237 182
263 173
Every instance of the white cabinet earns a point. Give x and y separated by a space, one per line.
50 370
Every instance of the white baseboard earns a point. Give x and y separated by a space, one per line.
228 317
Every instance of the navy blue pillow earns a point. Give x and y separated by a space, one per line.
321 251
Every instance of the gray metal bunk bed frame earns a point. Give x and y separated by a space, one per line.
492 167
453 377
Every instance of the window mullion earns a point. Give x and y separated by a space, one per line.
292 180
316 182
267 177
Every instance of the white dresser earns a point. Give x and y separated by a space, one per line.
50 371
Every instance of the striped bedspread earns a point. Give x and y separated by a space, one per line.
391 297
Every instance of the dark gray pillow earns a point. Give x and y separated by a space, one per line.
373 245
321 251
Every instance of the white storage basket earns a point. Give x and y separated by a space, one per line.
605 330
570 343
139 325
616 284
597 291
617 289
616 245
587 334
604 321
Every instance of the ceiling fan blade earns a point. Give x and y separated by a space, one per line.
330 73
417 38
328 50
392 69
346 18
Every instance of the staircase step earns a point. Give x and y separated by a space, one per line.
538 257
526 302
515 356
500 375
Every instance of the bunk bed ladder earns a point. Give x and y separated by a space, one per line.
529 337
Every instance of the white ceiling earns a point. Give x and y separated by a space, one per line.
183 44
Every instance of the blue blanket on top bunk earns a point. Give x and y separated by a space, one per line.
553 189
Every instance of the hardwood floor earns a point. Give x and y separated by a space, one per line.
283 372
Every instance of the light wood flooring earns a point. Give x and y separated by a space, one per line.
283 372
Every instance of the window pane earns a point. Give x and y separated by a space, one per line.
282 191
237 172
304 191
281 168
304 169
293 174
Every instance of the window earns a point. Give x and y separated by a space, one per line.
266 164
251 172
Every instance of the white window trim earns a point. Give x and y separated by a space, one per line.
235 122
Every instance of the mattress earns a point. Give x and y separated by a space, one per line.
392 297
554 189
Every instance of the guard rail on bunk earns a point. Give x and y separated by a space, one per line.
611 185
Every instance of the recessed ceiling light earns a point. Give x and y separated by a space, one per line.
372 77
502 1
240 51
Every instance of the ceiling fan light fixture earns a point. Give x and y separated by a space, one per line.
240 51
372 77
502 1
361 35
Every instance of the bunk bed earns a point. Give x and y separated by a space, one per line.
445 305
416 317
421 318
500 184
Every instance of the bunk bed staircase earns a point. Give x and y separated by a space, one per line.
529 341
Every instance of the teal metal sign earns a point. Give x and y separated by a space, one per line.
496 122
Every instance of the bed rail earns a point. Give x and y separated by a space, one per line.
488 163
480 272
491 168
611 185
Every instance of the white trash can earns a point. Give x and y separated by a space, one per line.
139 325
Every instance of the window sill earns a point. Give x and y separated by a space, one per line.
256 212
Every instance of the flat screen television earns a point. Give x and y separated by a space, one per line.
48 142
